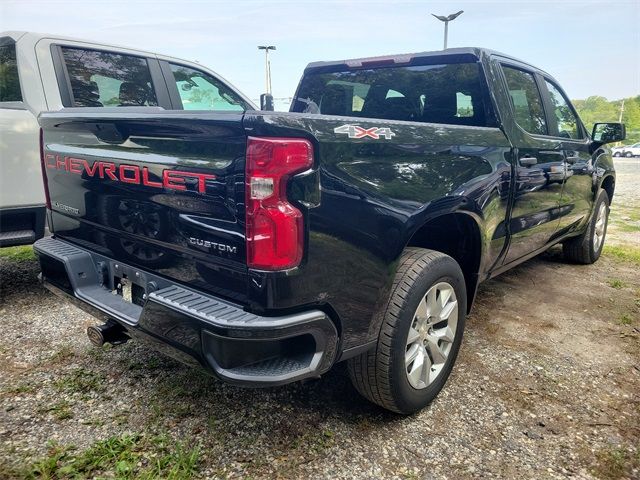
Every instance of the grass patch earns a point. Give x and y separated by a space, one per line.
18 254
80 381
627 228
16 390
626 253
616 463
623 213
64 353
60 410
122 457
616 283
626 319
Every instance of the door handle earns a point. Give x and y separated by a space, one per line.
528 161
572 160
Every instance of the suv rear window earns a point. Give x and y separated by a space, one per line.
105 79
9 80
445 93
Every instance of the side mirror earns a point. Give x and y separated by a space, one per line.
608 132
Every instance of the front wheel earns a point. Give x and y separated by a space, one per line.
420 335
586 248
617 154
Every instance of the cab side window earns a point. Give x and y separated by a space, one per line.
526 100
9 80
106 79
568 126
199 91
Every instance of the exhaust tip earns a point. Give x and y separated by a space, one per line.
110 332
95 336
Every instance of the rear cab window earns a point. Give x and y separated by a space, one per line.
9 79
107 79
198 90
445 93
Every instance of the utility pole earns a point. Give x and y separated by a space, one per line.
446 21
267 65
621 111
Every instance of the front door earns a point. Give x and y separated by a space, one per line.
577 193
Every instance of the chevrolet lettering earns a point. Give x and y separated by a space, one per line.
133 174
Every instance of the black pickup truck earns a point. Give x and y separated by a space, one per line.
266 247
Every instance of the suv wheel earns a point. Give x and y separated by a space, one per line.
420 335
616 154
586 248
628 154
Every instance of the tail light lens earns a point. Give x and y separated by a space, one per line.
44 171
275 228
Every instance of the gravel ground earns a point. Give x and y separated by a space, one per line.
547 385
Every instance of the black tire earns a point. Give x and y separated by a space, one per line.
581 249
617 154
628 154
380 374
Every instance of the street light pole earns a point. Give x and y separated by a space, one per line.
621 111
267 65
446 34
446 21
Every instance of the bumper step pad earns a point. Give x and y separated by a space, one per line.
202 306
17 237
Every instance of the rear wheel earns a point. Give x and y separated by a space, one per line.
420 335
628 154
586 248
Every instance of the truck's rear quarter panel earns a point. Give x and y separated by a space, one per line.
374 194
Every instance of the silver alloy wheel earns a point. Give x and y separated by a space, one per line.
431 335
600 227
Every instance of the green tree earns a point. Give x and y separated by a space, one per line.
599 109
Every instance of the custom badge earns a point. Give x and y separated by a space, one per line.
354 131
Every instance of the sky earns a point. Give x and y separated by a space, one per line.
592 47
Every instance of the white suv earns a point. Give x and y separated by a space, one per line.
34 78
631 150
617 151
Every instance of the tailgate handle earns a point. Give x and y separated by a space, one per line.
110 132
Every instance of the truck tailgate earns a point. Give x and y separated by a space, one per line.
160 191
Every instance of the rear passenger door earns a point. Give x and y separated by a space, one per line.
539 167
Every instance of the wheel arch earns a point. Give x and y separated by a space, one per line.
608 184
458 235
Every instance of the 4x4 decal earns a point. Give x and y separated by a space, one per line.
354 131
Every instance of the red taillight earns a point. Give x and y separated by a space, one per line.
44 171
275 228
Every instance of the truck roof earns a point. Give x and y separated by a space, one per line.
476 52
17 35
35 37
